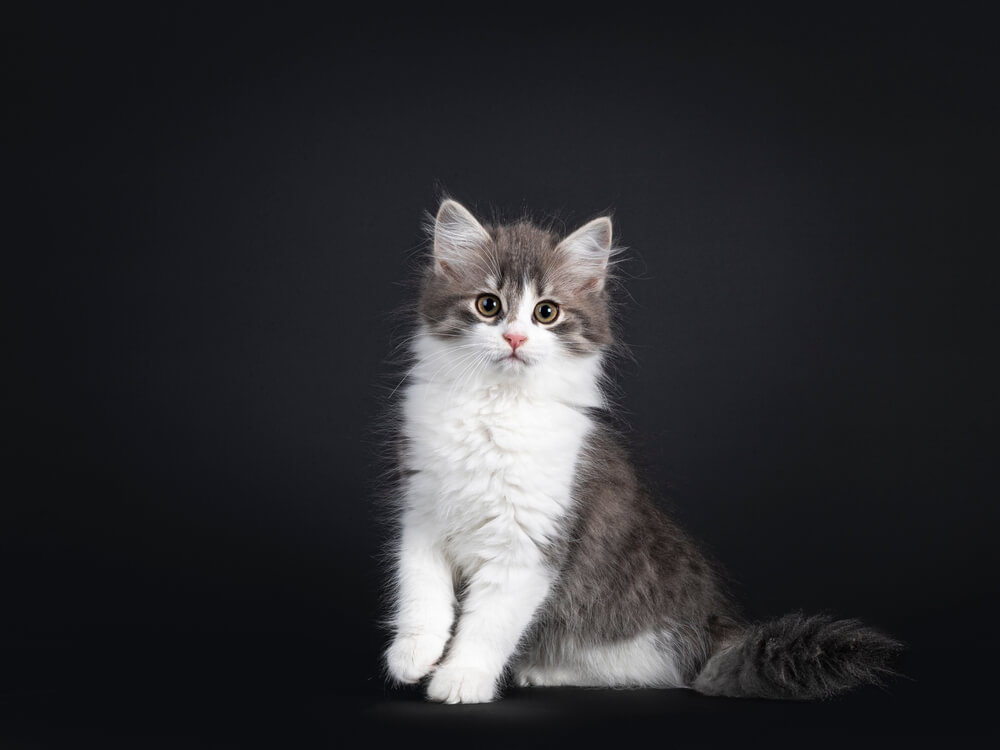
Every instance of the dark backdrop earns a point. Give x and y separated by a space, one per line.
210 217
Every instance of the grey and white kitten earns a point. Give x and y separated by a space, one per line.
528 546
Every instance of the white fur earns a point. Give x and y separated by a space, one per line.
494 446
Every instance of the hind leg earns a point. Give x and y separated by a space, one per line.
647 660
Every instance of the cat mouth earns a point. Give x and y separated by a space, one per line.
512 358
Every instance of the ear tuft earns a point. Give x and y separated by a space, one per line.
587 251
458 237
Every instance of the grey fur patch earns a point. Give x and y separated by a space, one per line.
626 569
516 254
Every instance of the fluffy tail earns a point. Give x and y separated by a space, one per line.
798 658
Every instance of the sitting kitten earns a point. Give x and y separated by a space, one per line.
528 542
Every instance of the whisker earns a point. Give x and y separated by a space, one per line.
425 360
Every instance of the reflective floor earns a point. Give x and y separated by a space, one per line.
201 691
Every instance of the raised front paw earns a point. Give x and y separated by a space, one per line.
411 657
454 684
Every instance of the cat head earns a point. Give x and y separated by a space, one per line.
514 298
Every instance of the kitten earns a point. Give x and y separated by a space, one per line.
528 545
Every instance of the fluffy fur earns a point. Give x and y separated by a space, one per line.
528 546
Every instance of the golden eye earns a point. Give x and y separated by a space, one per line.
546 312
487 305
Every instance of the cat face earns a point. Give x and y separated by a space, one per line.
510 298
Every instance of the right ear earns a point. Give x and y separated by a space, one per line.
458 238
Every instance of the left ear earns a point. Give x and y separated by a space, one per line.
587 251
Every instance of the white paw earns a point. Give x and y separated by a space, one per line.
538 677
452 684
411 657
526 678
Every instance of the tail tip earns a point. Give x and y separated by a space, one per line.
801 657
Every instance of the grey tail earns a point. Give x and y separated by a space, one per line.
798 657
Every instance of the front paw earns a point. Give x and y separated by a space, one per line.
411 657
453 684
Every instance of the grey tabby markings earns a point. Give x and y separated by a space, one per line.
514 254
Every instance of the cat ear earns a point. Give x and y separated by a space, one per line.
458 237
587 251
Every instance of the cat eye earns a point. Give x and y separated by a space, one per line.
487 305
546 312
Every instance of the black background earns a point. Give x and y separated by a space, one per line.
211 217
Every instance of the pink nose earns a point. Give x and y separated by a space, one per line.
515 339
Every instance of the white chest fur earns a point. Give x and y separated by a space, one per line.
494 468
